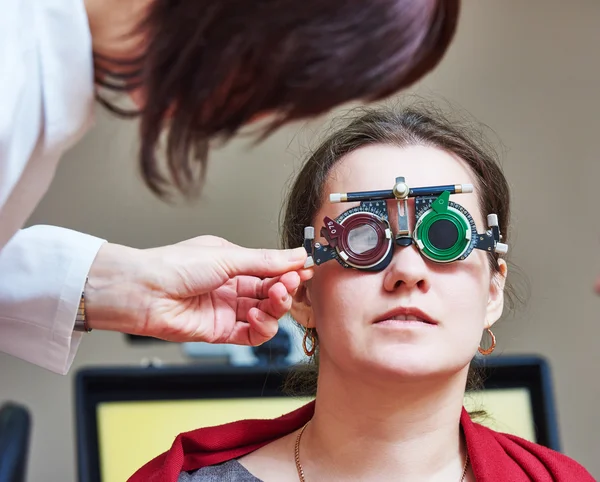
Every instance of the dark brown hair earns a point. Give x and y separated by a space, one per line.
212 66
424 125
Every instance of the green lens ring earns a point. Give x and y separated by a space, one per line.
463 241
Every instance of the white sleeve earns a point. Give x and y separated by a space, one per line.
43 271
46 98
46 105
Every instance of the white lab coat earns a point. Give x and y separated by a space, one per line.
46 105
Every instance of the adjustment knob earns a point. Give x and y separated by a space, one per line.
492 220
401 190
501 248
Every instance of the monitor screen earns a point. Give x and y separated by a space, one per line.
131 433
129 416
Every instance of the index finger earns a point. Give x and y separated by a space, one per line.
254 287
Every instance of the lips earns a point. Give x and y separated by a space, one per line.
407 314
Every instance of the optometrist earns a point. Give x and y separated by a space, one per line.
57 284
56 55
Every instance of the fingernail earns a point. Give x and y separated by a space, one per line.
297 254
285 297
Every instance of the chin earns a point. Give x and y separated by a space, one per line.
413 364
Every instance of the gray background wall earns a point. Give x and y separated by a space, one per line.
529 70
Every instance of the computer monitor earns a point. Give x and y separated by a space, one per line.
126 416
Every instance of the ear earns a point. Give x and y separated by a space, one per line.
495 304
302 307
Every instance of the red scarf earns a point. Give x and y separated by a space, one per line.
494 456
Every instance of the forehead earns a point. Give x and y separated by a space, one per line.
376 167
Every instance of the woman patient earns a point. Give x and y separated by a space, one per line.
407 286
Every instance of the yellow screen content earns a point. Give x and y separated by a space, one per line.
132 433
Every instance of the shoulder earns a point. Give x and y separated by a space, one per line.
231 470
535 460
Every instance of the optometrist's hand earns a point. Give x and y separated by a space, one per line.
204 289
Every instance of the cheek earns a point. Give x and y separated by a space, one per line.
338 298
465 299
466 293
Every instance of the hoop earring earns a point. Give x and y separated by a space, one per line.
490 349
313 342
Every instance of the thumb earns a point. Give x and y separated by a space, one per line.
261 262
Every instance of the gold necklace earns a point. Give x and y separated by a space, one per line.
301 471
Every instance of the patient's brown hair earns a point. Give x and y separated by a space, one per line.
212 66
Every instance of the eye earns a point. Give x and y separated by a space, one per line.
446 236
443 234
362 239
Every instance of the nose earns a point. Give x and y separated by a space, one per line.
407 271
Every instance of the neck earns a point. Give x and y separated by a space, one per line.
113 25
364 430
